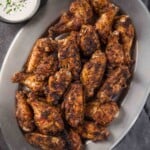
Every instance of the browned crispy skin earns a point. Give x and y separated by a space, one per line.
75 141
104 23
57 85
40 49
68 55
47 118
29 80
91 131
24 114
114 50
45 142
93 72
114 83
88 40
80 12
102 114
126 29
73 105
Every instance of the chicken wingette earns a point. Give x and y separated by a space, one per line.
57 85
92 73
73 105
24 113
45 142
102 114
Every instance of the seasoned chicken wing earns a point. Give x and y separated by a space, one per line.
126 29
29 80
93 72
73 105
114 83
104 23
88 40
102 114
91 131
45 142
114 50
68 55
80 12
24 114
39 51
57 85
47 118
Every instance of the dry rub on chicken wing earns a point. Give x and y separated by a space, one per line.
88 40
40 49
68 55
45 142
104 23
93 72
114 50
24 114
57 85
91 131
126 29
114 83
73 105
47 118
80 12
102 114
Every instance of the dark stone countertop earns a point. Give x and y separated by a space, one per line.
138 137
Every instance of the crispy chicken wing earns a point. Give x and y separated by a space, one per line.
114 50
114 83
73 105
68 55
103 114
47 118
104 23
45 142
126 29
80 12
93 72
24 114
88 40
91 131
57 85
39 51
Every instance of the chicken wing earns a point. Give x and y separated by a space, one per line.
57 85
126 29
93 72
68 55
91 131
114 83
73 105
88 40
45 142
24 114
102 114
39 51
47 118
104 23
80 12
114 50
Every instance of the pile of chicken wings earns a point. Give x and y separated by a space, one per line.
68 85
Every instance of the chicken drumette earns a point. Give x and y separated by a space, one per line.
88 40
24 114
93 72
73 105
80 12
57 85
45 142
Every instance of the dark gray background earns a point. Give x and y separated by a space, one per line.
139 136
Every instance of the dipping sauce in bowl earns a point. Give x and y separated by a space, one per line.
18 10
